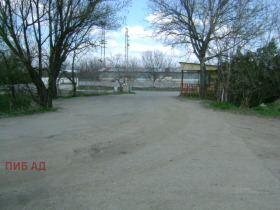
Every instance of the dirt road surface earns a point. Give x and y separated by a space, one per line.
150 150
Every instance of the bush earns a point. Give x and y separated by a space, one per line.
255 76
9 104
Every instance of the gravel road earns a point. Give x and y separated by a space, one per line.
151 150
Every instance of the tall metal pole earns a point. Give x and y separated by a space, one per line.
126 47
103 43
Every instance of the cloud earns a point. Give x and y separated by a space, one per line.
113 44
138 47
140 40
138 32
113 34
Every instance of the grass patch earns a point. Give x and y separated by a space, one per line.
222 105
20 106
28 111
190 96
10 104
34 111
271 109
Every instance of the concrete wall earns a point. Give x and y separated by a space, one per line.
163 84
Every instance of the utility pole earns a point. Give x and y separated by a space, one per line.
126 48
103 43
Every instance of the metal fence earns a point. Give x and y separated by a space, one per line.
193 89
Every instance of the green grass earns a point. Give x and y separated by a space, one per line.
30 111
191 96
270 110
20 106
9 104
5 103
222 105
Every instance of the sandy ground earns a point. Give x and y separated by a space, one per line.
145 151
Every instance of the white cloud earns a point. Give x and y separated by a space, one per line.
136 47
138 32
113 44
155 17
140 40
113 34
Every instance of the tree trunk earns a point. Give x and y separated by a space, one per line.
52 86
49 100
227 81
202 87
13 91
121 85
74 87
43 97
52 90
121 89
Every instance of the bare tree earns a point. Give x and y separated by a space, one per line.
118 64
155 63
274 13
42 33
132 69
72 75
201 24
89 68
124 73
